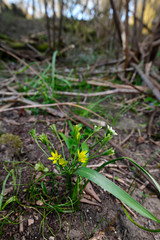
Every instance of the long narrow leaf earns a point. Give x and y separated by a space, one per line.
146 229
112 188
3 189
11 199
141 168
53 68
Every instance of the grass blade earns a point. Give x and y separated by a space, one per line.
3 189
53 69
112 188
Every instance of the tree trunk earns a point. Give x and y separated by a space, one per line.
53 24
33 8
141 21
60 23
134 37
127 33
117 21
47 24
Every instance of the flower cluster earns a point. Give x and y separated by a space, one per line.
57 158
82 156
111 131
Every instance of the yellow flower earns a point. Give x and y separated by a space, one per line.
82 156
62 162
55 157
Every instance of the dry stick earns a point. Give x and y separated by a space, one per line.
98 82
128 137
149 132
155 83
155 76
156 43
104 93
146 80
16 94
45 106
133 86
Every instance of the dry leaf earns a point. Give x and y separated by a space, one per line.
89 189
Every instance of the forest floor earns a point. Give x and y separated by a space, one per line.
107 218
133 117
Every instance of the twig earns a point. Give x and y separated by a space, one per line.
155 75
45 107
17 94
149 132
104 93
129 210
128 137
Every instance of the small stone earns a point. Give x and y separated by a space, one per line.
39 202
51 238
36 217
30 221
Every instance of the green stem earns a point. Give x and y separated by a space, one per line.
69 184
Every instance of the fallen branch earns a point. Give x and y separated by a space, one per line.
104 93
147 81
46 107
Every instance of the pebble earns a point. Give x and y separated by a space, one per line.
51 238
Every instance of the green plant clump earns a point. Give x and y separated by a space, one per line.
75 164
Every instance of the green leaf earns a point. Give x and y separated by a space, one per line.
3 188
112 188
44 187
40 167
146 229
66 139
11 199
53 69
84 147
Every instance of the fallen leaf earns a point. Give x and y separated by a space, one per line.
84 200
89 189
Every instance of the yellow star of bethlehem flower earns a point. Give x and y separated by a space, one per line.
55 157
82 156
62 162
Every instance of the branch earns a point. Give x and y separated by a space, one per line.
147 81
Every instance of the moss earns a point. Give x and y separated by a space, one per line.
42 47
12 142
16 45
